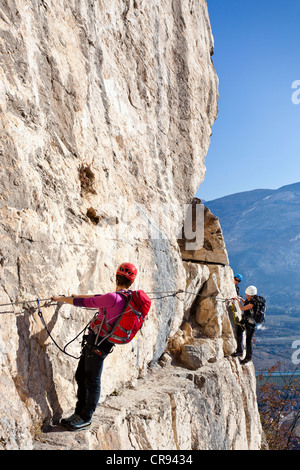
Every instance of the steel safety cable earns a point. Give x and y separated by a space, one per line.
49 302
169 294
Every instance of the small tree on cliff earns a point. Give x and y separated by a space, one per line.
279 409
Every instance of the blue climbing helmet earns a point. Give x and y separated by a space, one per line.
238 277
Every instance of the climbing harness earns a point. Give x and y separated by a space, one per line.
235 318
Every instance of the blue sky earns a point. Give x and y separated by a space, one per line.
256 138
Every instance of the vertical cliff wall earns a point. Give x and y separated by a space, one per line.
106 114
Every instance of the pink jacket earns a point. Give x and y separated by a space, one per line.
113 302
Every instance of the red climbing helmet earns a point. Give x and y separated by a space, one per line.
128 270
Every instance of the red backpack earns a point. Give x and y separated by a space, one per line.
129 321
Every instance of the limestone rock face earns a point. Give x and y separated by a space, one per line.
173 409
106 114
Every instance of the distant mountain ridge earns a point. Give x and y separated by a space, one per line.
261 229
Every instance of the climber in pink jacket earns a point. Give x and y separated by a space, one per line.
90 366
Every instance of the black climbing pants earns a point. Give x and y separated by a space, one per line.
88 378
249 335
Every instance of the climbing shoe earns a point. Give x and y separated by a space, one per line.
237 354
246 360
78 423
67 421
